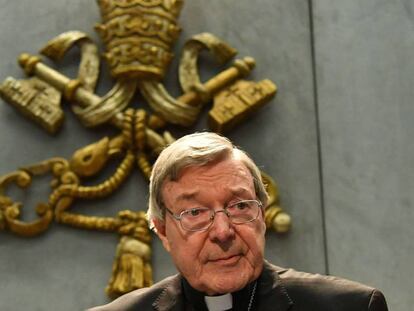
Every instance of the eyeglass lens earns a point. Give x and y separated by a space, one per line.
201 218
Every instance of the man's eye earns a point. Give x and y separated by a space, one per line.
194 212
241 205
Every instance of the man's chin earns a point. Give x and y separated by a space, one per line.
226 276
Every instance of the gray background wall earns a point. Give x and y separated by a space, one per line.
337 138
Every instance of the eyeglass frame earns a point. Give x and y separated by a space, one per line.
213 214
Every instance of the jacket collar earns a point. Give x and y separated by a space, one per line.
272 295
171 297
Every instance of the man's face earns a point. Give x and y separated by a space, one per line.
225 257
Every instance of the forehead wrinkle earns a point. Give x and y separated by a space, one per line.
192 196
187 196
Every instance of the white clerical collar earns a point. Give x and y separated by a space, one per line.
219 303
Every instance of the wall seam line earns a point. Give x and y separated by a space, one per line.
318 135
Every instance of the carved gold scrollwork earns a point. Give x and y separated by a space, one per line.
188 72
275 217
10 211
106 109
88 72
185 109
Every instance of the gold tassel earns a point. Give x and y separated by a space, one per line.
131 269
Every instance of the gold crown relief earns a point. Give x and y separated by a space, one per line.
138 35
168 8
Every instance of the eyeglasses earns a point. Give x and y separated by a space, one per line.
201 218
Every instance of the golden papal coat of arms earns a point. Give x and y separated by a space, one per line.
138 36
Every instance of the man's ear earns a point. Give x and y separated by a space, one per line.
159 226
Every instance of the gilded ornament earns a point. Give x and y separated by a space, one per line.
138 36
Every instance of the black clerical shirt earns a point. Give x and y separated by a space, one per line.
195 298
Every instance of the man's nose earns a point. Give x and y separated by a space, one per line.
222 228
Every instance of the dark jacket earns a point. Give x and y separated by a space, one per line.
278 289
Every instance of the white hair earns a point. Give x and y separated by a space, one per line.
196 149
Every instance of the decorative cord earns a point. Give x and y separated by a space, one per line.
252 297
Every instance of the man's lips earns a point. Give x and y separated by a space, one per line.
226 260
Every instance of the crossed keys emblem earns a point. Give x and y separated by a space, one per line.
138 36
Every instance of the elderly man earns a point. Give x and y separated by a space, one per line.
206 204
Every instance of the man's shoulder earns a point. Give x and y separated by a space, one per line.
293 278
140 299
324 290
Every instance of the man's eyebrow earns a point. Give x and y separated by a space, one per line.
187 196
239 191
